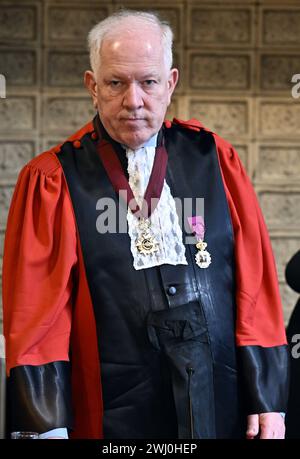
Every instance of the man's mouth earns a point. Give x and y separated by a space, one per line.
133 122
132 119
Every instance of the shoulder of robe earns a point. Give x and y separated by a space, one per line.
192 124
223 146
48 163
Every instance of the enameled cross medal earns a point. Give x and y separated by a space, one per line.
202 257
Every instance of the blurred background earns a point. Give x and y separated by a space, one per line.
236 60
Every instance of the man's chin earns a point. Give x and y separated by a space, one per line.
134 145
135 141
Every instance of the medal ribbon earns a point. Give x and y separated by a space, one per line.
119 180
197 225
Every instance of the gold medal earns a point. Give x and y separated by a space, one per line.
202 257
146 242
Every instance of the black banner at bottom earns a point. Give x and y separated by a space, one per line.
139 448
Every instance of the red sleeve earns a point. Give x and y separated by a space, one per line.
39 253
259 310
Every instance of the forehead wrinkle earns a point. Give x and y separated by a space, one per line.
130 51
131 66
131 75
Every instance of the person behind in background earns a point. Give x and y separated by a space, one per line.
293 335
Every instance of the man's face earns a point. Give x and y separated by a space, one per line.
132 88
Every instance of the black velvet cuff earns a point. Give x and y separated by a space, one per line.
265 378
39 397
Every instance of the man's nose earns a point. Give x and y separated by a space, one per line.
133 97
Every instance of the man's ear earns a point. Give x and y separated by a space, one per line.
91 85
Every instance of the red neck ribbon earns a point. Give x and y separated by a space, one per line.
120 183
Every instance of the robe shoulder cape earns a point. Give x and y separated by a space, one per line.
43 265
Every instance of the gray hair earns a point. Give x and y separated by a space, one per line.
111 23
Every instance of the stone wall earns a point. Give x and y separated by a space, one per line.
236 60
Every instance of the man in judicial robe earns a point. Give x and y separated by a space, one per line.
169 329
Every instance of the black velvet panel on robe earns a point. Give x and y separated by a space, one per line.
39 397
264 368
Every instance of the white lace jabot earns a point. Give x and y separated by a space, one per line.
164 220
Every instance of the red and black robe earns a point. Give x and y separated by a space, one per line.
76 313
